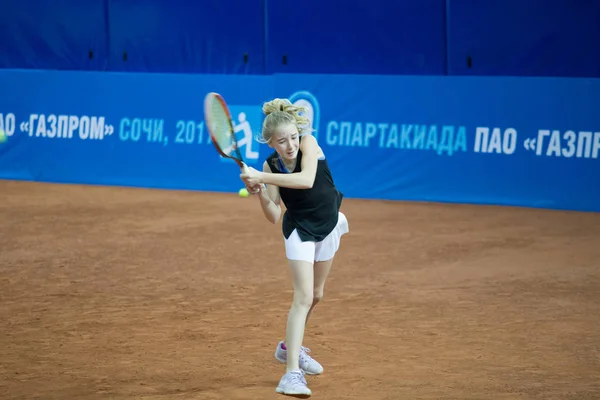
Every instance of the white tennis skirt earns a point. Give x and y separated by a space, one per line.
296 249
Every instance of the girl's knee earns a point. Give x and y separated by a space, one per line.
303 298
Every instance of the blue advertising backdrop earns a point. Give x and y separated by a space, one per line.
487 140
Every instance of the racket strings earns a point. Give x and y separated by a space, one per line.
221 128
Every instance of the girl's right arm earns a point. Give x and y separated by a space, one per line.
270 199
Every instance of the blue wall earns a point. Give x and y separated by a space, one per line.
406 37
186 36
513 141
362 37
524 38
67 34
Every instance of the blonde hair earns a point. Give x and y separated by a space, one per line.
279 112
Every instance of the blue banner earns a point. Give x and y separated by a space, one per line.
122 128
510 141
493 140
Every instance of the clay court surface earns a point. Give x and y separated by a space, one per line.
125 293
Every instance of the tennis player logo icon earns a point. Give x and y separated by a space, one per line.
243 119
246 140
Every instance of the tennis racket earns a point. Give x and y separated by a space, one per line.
220 127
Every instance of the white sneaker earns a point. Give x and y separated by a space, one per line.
293 383
308 364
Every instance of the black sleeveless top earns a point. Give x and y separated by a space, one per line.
313 212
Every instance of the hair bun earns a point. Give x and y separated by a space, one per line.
276 105
282 111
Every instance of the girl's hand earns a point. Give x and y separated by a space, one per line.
254 189
251 177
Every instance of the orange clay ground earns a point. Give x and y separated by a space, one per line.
124 293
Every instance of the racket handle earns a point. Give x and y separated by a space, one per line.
244 168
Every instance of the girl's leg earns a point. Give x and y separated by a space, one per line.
325 253
321 272
303 281
293 382
307 363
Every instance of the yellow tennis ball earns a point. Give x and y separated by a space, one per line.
3 136
243 192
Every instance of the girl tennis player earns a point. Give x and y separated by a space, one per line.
297 173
